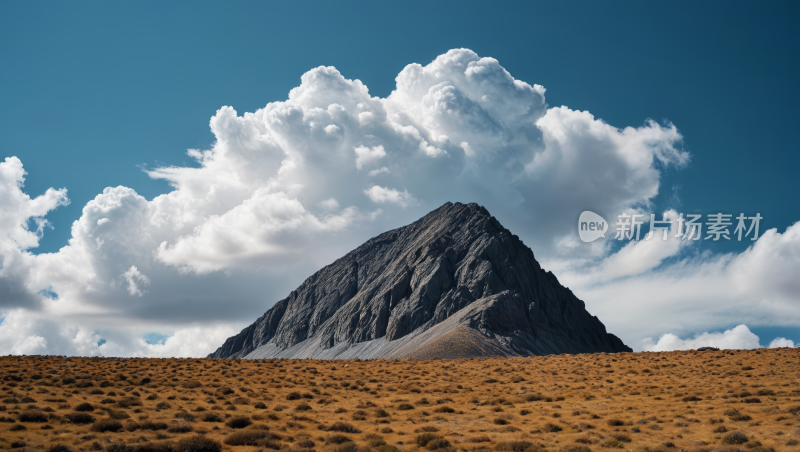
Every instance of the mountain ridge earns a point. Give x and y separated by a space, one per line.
387 293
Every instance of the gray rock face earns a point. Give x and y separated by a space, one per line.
457 266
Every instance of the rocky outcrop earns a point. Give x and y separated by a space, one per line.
455 267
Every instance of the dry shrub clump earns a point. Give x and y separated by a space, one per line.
107 425
238 422
245 438
33 416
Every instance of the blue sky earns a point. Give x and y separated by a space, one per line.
93 93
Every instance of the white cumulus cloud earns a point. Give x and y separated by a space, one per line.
383 194
365 155
136 281
739 337
779 342
296 184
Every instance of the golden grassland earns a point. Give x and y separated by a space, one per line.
704 401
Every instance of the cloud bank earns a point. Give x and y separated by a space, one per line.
294 185
739 337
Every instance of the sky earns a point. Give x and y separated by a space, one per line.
169 171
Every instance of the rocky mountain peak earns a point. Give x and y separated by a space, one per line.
455 272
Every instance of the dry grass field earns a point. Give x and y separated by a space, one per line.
704 401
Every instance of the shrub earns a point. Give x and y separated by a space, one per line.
444 409
405 407
179 427
621 437
721 429
735 438
741 417
293 396
18 444
524 412
478 439
374 440
423 439
17 428
347 447
269 444
752 400
305 443
513 446
427 428
153 425
387 448
577 449
186 416
58 448
144 447
552 428
191 384
500 421
615 422
260 406
245 438
127 402
32 416
380 412
79 418
84 407
338 439
343 427
239 422
302 407
211 417
197 443
531 397
106 425
438 443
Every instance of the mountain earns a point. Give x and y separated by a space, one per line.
453 284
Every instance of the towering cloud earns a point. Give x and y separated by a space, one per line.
289 187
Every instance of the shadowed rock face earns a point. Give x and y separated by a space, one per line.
456 264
